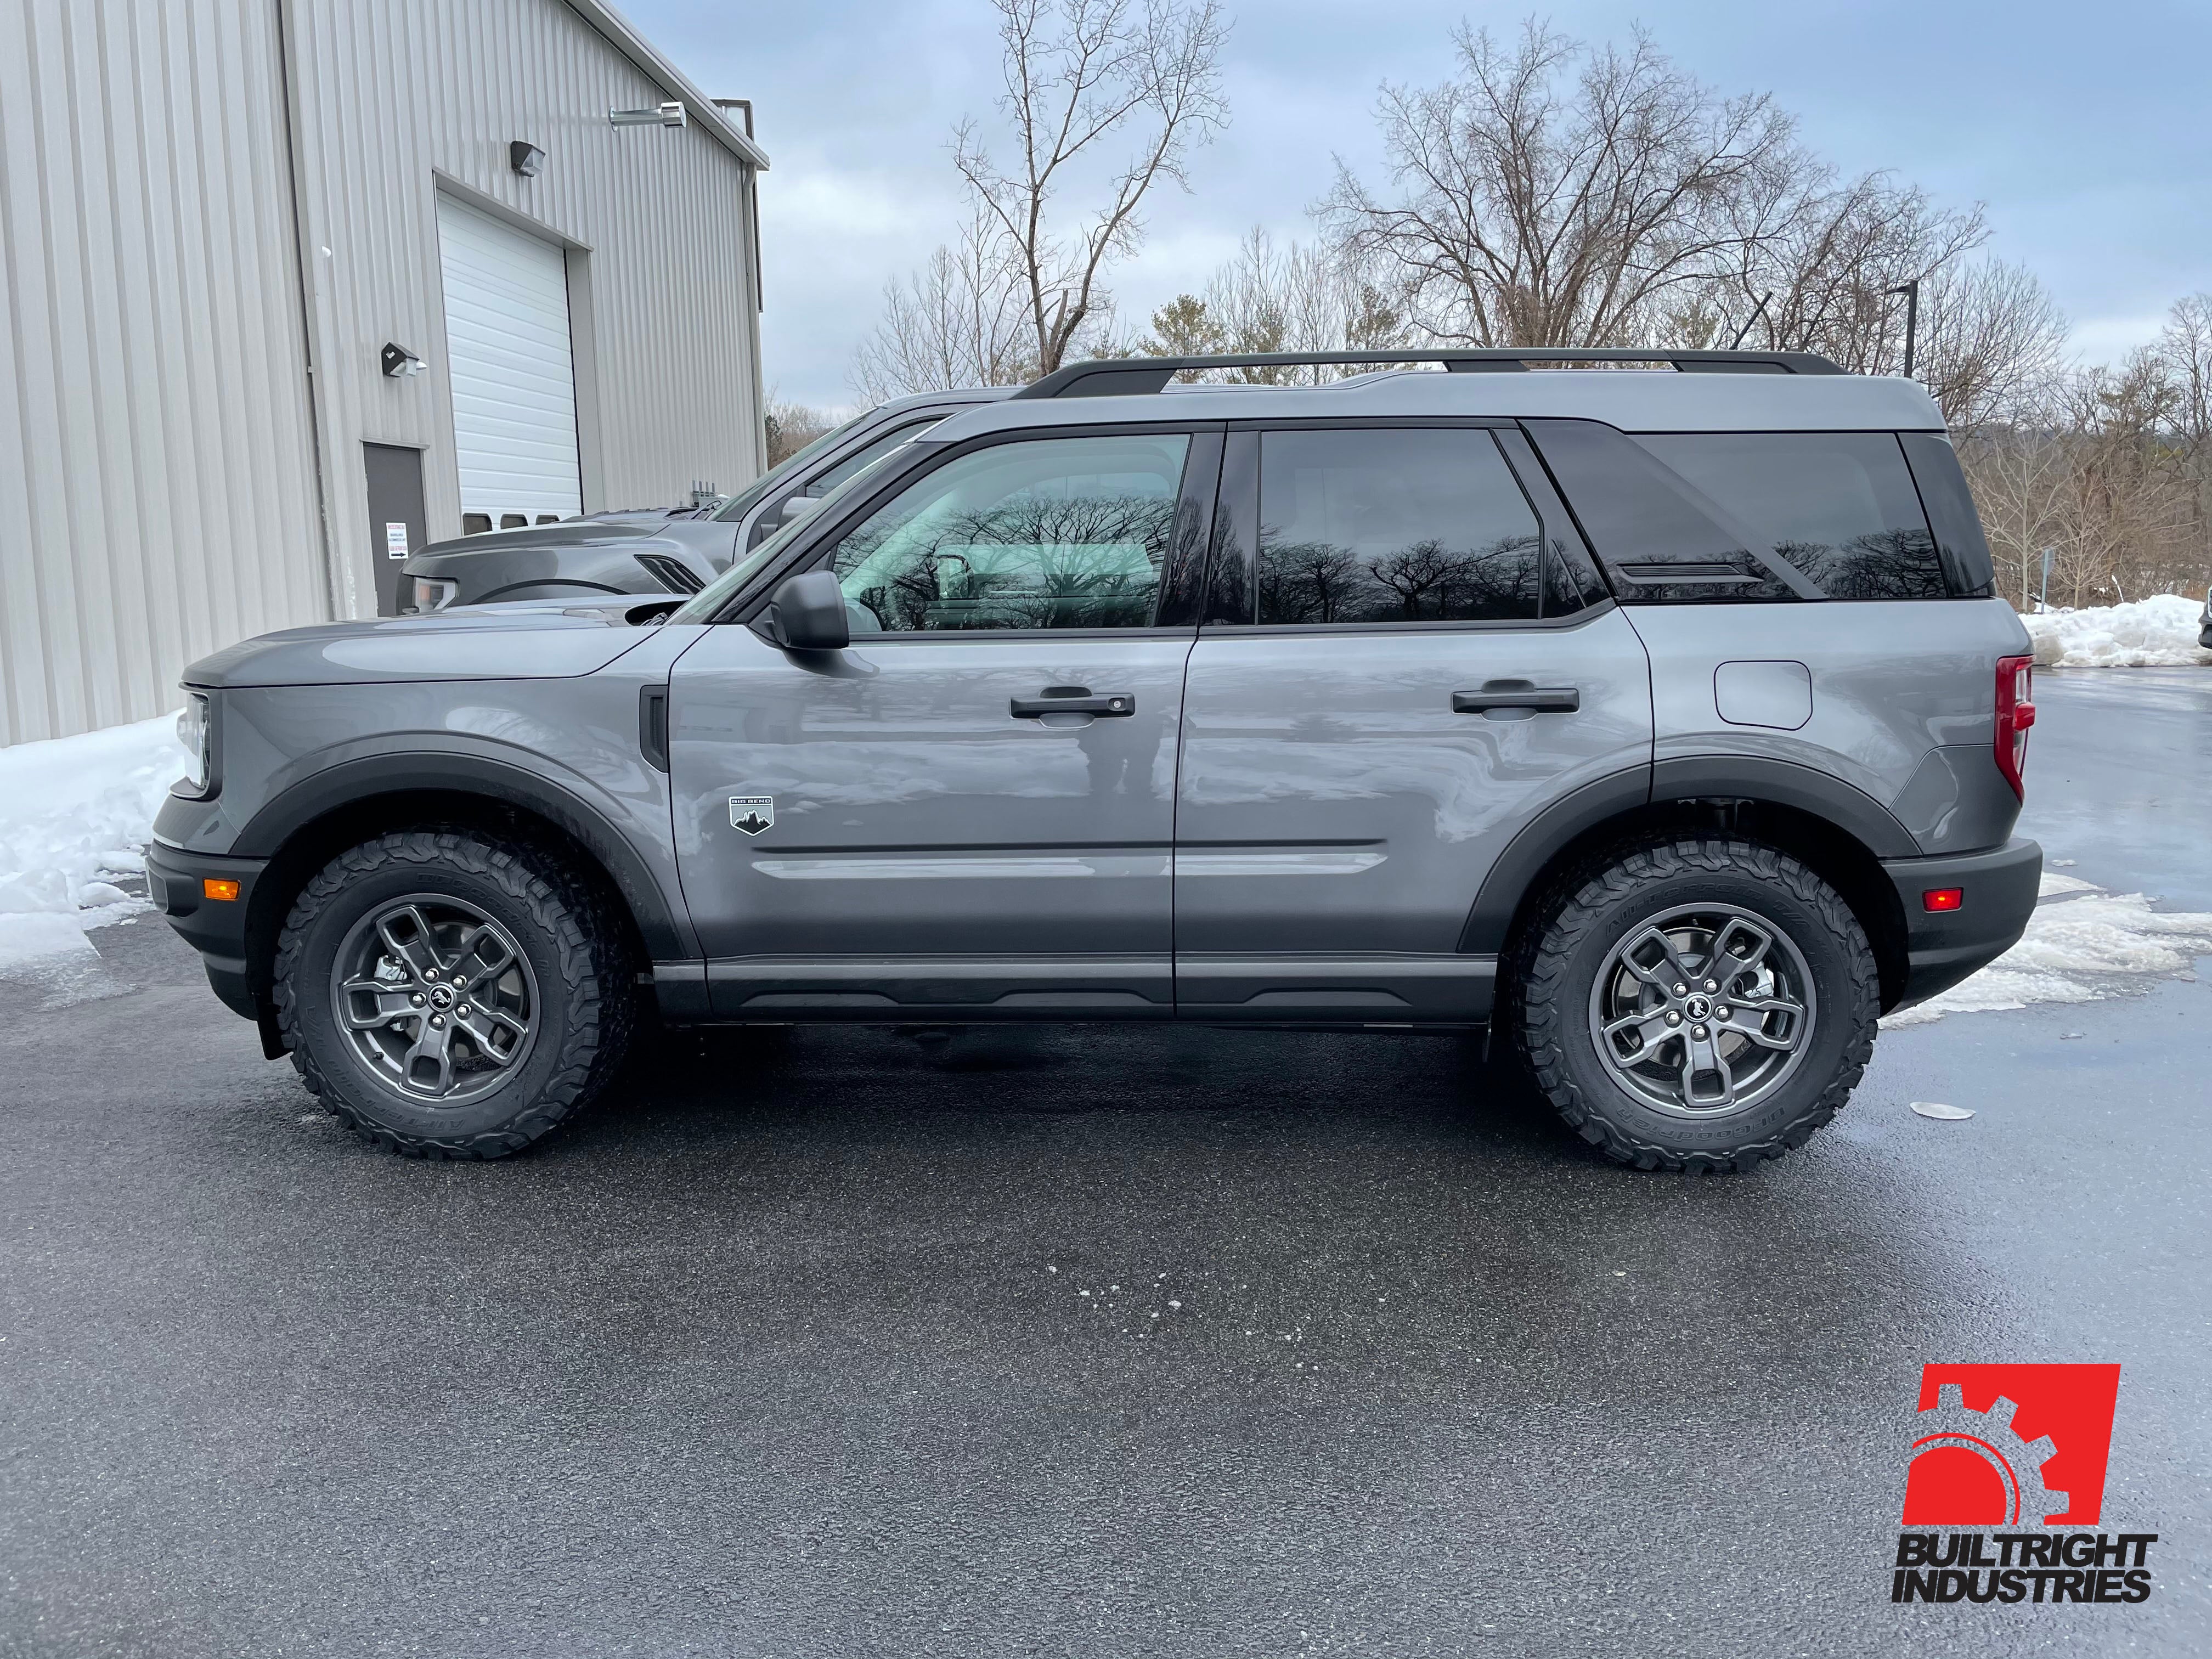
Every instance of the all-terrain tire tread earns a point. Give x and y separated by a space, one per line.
591 962
1548 951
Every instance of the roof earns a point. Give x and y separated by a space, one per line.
1633 400
699 109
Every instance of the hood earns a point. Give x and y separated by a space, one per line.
529 640
552 551
569 532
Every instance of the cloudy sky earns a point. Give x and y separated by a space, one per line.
2083 129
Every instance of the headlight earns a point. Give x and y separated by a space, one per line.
431 594
196 732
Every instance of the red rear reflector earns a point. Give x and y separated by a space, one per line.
2015 713
1943 898
219 889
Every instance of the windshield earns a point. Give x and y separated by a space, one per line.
702 606
744 501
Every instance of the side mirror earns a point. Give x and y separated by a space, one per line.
808 614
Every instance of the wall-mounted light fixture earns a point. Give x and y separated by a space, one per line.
668 115
398 361
525 157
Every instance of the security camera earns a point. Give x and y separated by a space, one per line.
670 114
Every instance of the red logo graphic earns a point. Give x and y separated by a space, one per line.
2011 1445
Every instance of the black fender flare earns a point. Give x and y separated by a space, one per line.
1702 777
665 933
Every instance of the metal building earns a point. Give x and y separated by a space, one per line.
287 286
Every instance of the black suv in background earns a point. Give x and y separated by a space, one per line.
652 552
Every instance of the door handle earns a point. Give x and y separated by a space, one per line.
1075 700
1500 696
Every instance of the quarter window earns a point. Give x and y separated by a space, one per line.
1057 532
1391 525
1839 506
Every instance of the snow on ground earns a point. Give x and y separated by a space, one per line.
2083 944
74 812
2159 632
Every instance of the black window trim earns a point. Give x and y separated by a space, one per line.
1247 534
814 549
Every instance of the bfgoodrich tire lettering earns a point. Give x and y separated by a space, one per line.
1556 1005
570 974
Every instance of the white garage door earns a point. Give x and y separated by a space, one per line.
514 383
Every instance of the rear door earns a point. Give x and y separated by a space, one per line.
1407 657
968 812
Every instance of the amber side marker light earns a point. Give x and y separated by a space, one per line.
1935 898
211 887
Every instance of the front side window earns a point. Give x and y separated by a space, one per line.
1393 525
1838 506
1054 532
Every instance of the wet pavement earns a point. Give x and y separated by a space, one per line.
1091 1340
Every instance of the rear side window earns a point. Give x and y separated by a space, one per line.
1838 506
1392 524
1960 544
1709 516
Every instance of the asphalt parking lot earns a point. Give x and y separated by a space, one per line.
1090 1340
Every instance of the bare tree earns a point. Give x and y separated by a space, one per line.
1299 297
789 428
1080 74
1554 194
960 320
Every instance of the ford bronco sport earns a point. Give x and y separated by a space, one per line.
1661 720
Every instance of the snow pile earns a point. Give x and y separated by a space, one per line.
74 812
2159 632
2082 943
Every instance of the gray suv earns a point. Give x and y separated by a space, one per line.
1661 719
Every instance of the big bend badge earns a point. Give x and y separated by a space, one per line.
754 814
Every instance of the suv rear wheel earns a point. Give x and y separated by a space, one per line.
1699 1004
449 994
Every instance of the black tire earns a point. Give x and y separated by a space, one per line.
580 1005
1553 1000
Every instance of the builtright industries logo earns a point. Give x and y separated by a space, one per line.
2017 1453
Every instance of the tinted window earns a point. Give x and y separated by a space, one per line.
1839 506
1393 526
1059 532
1958 539
1657 539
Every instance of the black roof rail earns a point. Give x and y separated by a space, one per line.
1108 377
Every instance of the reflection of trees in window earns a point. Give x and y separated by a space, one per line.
1029 561
1888 564
1426 580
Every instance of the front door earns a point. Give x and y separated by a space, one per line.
969 812
1407 657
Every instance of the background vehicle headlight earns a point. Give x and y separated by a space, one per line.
432 594
196 732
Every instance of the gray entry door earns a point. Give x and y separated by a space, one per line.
397 520
1403 669
912 825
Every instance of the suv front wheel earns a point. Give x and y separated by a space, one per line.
1699 1004
451 994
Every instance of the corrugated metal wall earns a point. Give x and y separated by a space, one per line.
158 446
156 471
397 99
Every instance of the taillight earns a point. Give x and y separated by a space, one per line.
2015 713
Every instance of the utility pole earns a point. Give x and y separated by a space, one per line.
1911 292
